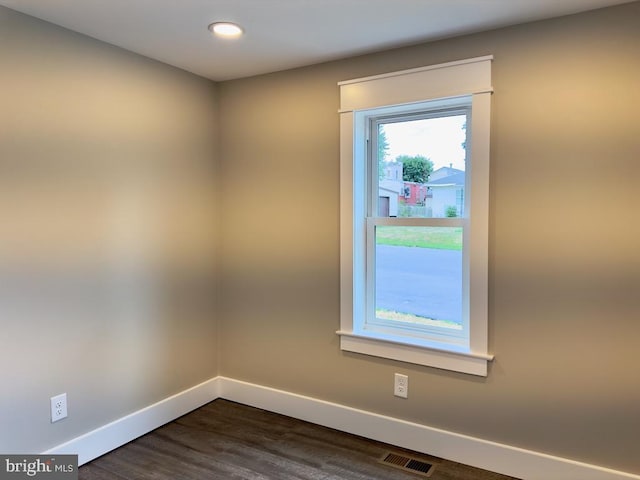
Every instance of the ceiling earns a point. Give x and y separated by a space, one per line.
282 34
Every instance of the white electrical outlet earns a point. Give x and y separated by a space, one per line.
58 407
401 385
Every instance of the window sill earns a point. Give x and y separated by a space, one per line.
456 359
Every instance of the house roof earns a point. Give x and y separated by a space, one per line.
444 172
456 179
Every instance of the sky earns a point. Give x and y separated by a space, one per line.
439 139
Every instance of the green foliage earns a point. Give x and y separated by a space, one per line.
451 211
445 238
383 150
383 145
415 169
464 144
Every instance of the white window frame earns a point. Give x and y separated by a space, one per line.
466 82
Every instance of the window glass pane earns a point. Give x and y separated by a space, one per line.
418 276
421 167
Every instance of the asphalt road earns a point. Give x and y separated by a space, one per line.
422 281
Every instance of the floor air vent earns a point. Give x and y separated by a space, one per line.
407 464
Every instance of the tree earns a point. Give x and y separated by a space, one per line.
464 144
383 145
383 151
415 168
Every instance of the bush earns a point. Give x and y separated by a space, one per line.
451 211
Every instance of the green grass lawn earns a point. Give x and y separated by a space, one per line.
446 238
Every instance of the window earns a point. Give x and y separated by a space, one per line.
414 266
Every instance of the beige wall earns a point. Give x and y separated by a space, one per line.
564 257
108 231
109 237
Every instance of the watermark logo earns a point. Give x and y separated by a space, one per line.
49 467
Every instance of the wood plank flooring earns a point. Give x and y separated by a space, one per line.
226 440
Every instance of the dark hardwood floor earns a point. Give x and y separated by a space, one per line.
226 440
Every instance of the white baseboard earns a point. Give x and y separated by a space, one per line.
517 462
119 432
505 459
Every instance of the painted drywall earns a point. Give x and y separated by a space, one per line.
108 208
110 212
564 262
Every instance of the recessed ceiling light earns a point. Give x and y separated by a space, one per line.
225 29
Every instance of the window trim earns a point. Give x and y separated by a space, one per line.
398 92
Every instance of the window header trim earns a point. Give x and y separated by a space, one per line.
417 70
452 79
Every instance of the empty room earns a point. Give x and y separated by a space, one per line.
347 232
